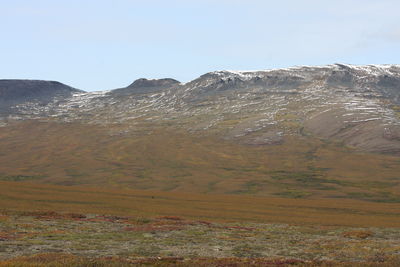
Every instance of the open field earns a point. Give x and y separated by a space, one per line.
164 159
25 196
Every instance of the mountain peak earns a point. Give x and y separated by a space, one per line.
18 91
143 82
145 86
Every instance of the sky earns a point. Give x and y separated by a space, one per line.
97 44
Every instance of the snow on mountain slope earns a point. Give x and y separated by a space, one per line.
357 105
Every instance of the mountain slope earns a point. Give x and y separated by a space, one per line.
296 132
170 160
357 105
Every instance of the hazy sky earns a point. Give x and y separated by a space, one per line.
95 45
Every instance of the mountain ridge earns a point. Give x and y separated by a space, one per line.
379 69
357 105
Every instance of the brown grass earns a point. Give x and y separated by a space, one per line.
206 207
165 160
358 234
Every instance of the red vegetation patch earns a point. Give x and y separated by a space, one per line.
5 236
358 234
60 259
40 260
158 261
216 262
205 262
236 262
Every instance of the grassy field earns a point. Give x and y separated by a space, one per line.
24 196
163 159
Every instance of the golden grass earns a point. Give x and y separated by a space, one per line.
25 196
163 172
166 160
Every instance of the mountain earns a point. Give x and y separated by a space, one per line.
16 92
300 131
145 86
357 105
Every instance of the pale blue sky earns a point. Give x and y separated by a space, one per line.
98 44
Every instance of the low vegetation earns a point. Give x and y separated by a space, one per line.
24 196
48 238
167 159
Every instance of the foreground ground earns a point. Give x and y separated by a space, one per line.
34 238
48 225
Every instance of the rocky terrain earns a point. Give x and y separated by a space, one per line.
356 105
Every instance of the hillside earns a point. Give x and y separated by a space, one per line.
304 132
357 105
